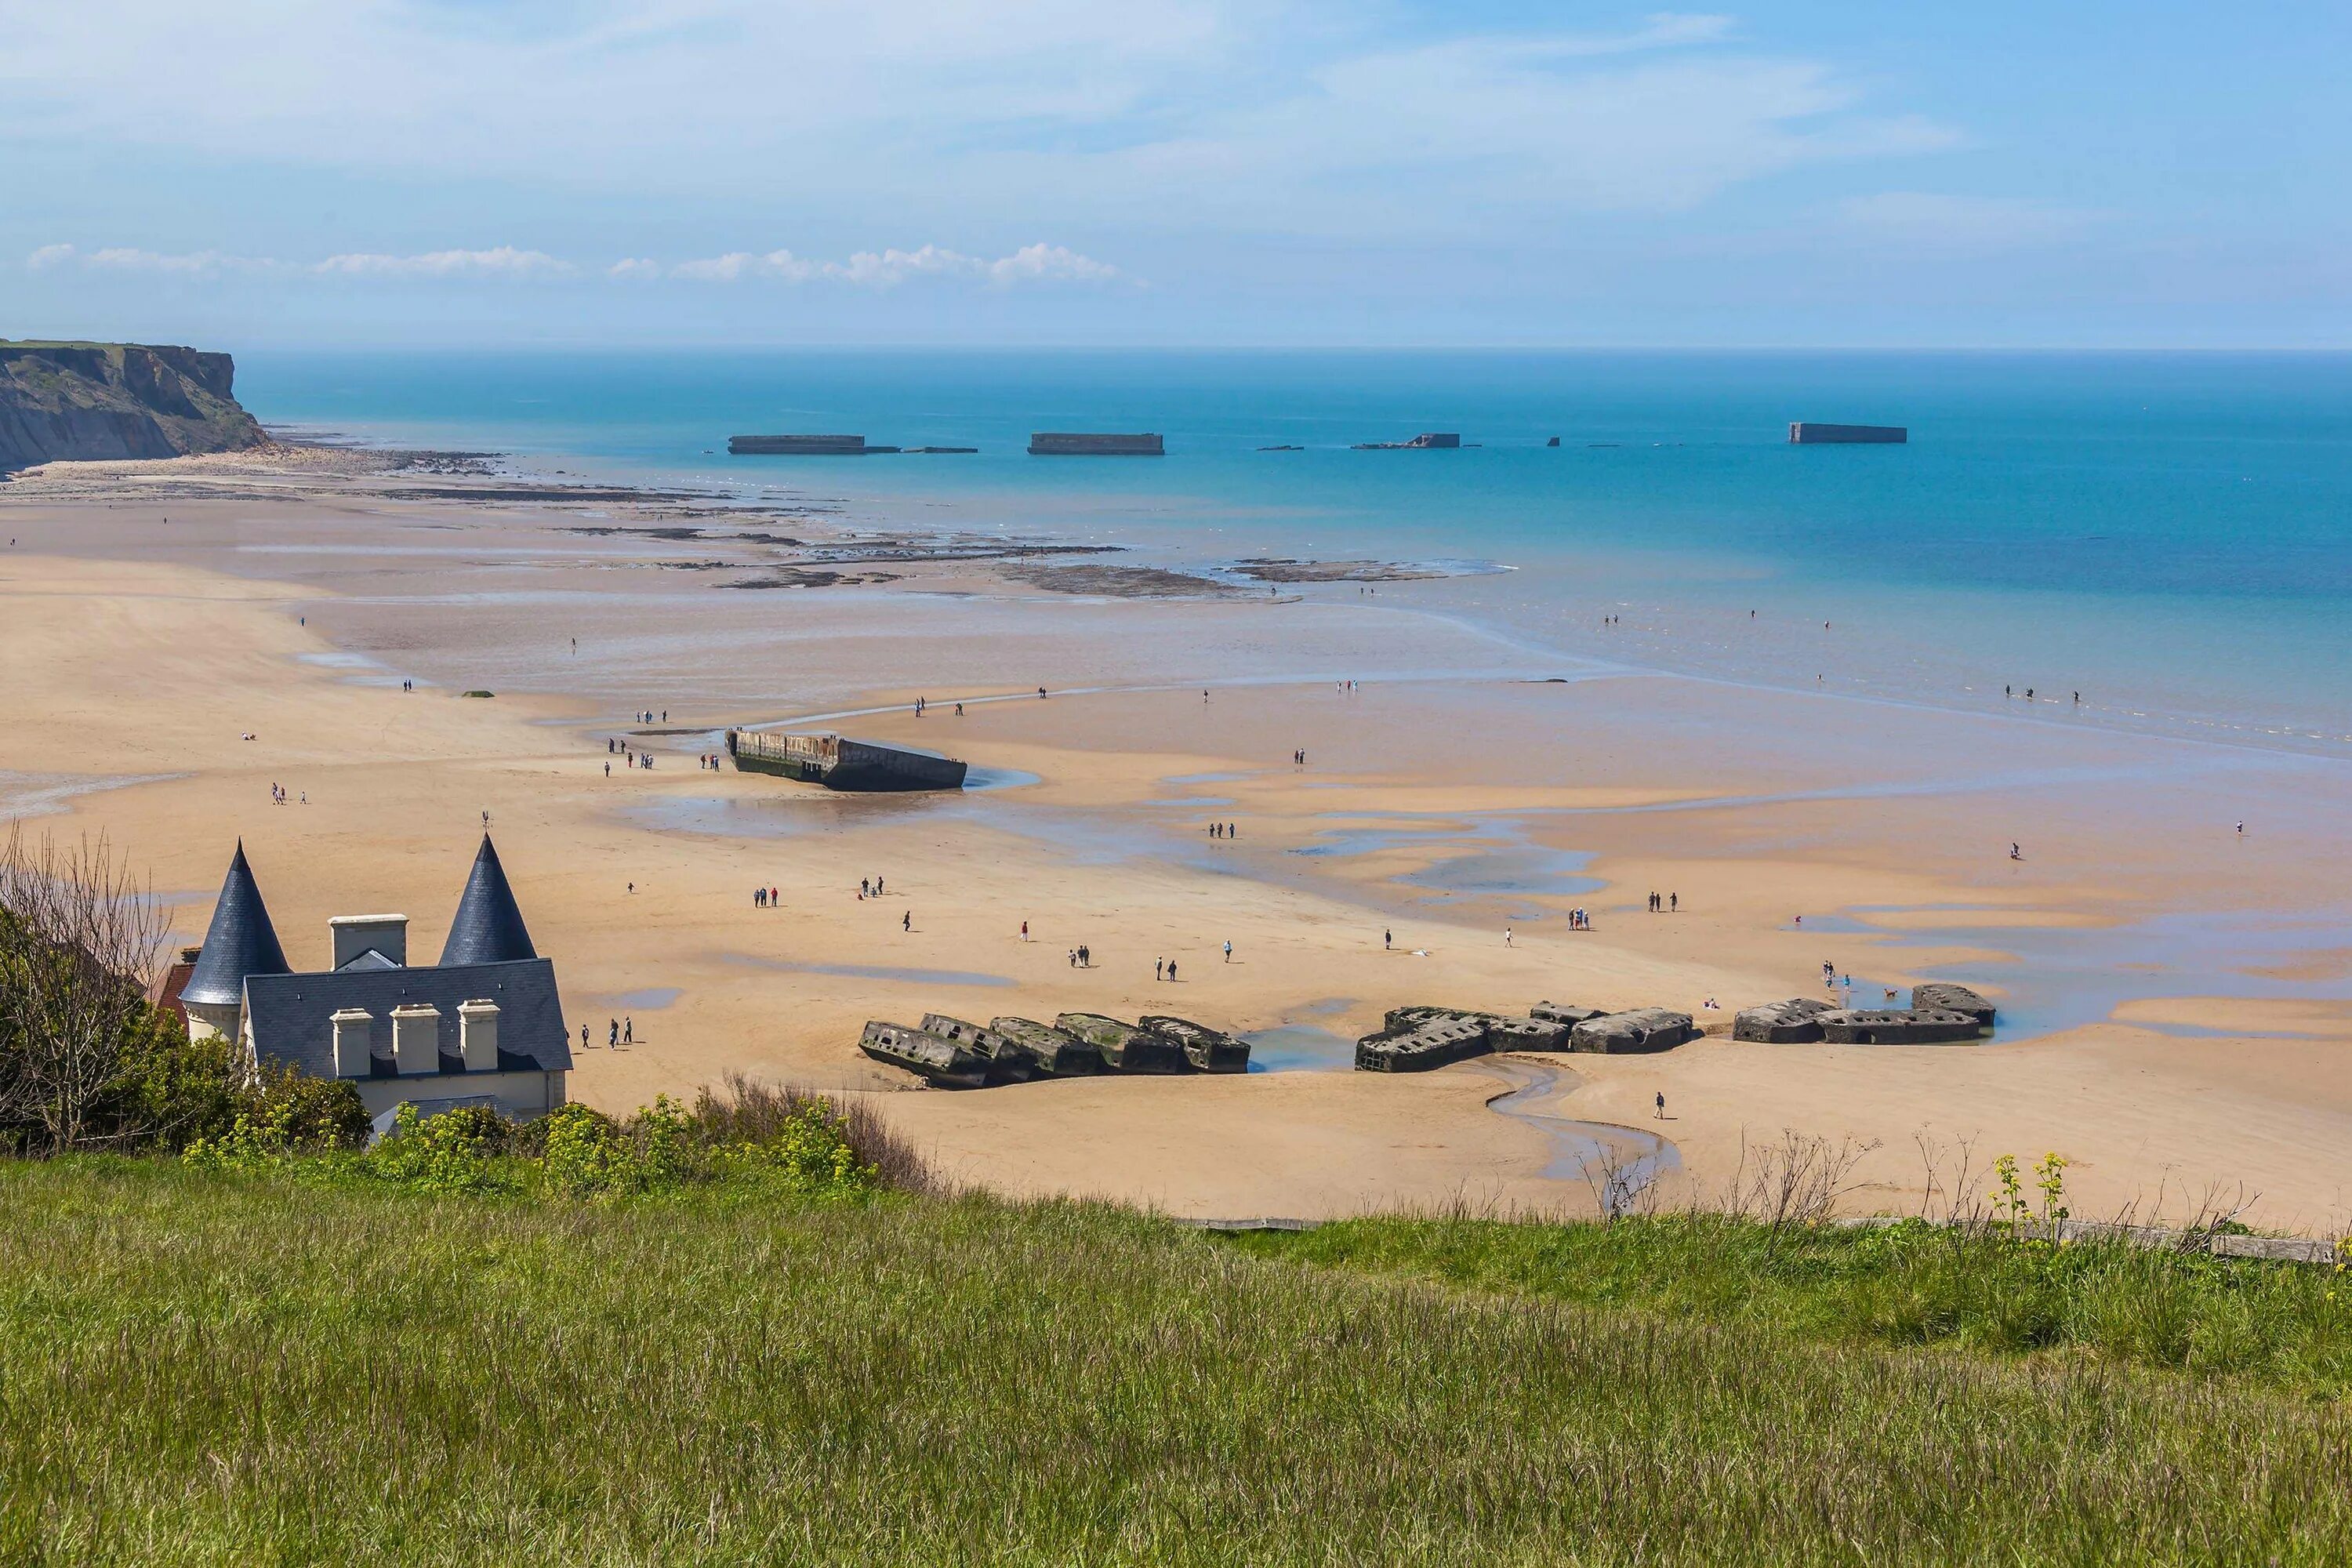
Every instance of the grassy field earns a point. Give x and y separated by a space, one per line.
2287 1327
205 1367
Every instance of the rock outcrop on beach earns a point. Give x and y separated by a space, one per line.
101 400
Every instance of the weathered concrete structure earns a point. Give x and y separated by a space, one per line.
1565 1013
1427 441
1078 443
1055 1053
837 762
1797 1021
1897 1026
1424 1046
1529 1033
1126 1047
1944 996
1209 1050
1007 1063
1812 432
1642 1029
932 1056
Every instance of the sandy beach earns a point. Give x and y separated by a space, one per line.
2177 1021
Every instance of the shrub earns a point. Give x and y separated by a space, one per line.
456 1151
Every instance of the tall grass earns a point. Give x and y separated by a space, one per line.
1913 1284
207 1368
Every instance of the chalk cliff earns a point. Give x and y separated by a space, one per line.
116 400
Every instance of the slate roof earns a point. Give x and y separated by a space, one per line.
290 1015
489 927
240 941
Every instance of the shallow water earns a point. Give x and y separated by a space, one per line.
2161 532
1620 1161
1299 1047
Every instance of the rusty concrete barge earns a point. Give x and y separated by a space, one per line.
838 762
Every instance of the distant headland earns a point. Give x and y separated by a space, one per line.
98 401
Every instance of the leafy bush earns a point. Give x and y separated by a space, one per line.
457 1150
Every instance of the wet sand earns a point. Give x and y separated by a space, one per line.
2179 994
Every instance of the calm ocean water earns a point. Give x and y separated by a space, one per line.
2170 534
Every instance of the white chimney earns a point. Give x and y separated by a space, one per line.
477 1030
351 1058
354 934
416 1038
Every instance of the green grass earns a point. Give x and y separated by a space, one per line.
208 1368
2286 1326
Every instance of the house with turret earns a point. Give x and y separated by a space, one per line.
482 1026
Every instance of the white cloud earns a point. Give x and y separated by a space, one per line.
1039 263
1929 220
1303 116
126 259
504 261
886 268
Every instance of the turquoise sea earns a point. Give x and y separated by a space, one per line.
2169 534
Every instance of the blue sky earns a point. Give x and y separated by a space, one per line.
356 172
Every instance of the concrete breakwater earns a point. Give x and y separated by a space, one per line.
840 763
1422 1039
954 1053
1941 1014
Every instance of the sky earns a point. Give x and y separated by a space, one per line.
437 172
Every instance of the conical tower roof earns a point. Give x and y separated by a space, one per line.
240 941
489 927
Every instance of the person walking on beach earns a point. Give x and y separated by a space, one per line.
1086 956
612 1034
1506 936
2015 853
1662 1105
628 1031
584 1036
1171 971
861 887
1024 931
907 921
1158 966
1674 902
1229 950
1388 941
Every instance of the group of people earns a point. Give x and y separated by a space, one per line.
1082 957
1664 903
1579 919
1298 758
765 897
646 716
869 887
618 1032
1159 966
278 795
1221 830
